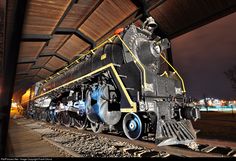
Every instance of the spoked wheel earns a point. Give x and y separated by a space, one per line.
66 119
81 122
132 126
97 127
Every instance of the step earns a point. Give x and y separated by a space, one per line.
130 89
123 76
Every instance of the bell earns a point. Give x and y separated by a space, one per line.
150 24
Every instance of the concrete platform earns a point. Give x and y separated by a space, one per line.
23 142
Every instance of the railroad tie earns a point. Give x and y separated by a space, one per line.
130 150
208 149
232 153
139 153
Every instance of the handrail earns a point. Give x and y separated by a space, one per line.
175 71
164 73
135 60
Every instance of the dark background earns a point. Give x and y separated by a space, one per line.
203 55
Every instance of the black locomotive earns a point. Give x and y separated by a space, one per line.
123 85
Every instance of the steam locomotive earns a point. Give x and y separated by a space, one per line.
123 85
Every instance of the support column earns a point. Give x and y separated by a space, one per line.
11 29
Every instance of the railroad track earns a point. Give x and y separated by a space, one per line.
85 143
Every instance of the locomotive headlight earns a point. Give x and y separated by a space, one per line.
161 45
157 48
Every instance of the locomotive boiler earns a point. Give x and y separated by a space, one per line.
123 85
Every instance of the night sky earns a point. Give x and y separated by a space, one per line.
202 55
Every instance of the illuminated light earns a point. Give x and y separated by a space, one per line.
13 104
26 96
16 110
92 51
210 103
222 102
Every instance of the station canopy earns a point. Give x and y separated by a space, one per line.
57 32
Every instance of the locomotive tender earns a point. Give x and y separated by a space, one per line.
121 86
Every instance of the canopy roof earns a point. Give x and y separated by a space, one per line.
56 32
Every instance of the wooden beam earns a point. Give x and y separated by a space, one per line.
84 19
55 54
64 14
58 24
23 61
35 38
78 33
